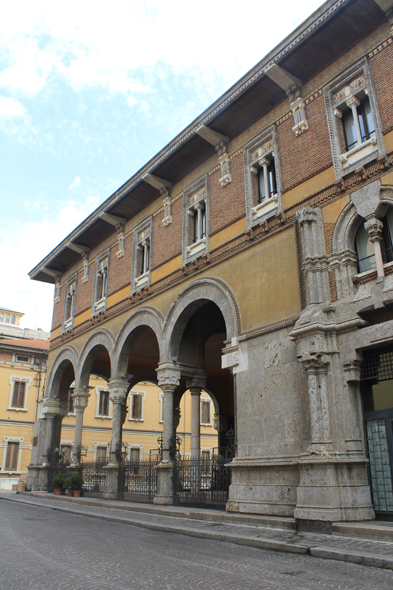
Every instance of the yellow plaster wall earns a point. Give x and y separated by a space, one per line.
332 211
309 187
389 141
227 234
166 269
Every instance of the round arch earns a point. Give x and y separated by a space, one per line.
100 340
146 317
188 301
66 357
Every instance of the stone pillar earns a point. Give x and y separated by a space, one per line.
353 432
374 228
195 386
118 388
353 103
81 398
168 379
315 259
316 368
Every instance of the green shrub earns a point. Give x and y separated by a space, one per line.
74 481
59 481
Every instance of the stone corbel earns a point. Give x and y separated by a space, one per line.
235 356
166 201
352 370
57 290
225 163
85 260
293 89
120 237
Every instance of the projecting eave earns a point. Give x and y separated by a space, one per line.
326 35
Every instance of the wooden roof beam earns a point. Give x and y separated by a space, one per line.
78 248
112 219
282 78
156 181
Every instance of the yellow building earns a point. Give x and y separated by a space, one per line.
22 378
142 426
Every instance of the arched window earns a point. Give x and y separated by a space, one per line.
365 249
12 319
1 317
7 319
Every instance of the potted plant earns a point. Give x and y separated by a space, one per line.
59 481
75 483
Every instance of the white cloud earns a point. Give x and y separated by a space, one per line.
75 183
93 44
10 108
29 243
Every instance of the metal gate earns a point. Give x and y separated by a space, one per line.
202 482
138 480
377 388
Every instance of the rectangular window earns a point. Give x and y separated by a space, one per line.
22 359
18 396
353 119
196 220
205 455
103 404
11 462
136 410
142 255
205 412
135 455
70 401
101 454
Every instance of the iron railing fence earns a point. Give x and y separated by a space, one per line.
138 480
94 478
202 482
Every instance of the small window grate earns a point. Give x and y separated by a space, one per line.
378 364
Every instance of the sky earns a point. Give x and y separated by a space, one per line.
90 91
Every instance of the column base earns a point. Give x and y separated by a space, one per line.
333 490
112 491
164 484
37 478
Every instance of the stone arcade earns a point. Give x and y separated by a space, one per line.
252 258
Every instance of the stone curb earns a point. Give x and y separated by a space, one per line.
369 559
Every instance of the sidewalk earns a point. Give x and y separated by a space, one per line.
366 543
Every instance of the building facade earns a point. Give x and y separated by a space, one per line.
252 259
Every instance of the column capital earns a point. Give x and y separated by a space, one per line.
52 407
314 362
196 381
118 388
168 376
374 228
307 215
81 398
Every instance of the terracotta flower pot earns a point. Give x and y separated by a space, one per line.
58 492
70 493
77 493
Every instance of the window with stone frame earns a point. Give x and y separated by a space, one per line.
101 456
101 278
103 403
353 118
12 456
206 412
70 401
262 178
196 209
365 248
136 405
142 255
19 392
69 303
135 454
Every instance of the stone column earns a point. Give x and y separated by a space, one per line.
168 379
52 409
81 398
353 432
118 388
374 228
316 368
353 103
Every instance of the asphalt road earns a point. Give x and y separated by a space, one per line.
42 549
